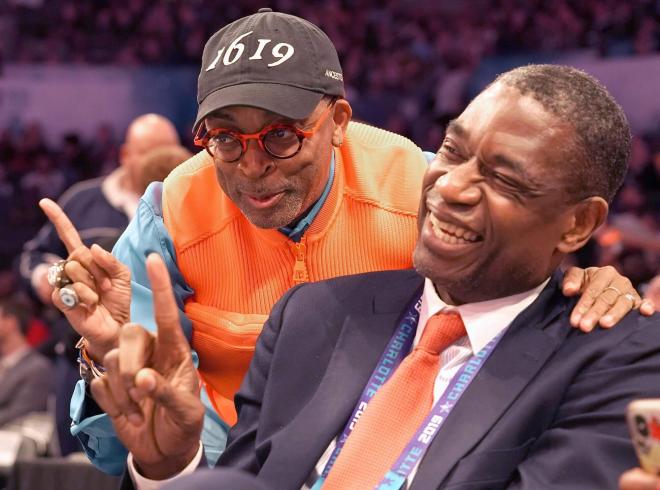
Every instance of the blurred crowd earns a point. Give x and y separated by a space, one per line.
388 31
31 168
174 31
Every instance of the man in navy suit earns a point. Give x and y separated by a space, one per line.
522 400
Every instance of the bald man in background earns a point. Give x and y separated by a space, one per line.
159 162
101 209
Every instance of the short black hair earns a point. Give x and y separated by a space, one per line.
19 308
597 161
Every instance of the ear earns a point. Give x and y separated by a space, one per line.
341 118
585 219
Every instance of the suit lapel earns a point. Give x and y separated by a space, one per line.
520 354
362 340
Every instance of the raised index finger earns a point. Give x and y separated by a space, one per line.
65 229
170 335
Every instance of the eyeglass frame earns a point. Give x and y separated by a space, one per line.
243 138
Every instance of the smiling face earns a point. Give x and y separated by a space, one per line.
493 216
273 192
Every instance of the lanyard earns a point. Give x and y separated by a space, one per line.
417 446
397 349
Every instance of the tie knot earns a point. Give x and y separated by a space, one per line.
442 330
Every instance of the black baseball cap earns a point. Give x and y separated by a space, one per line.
269 60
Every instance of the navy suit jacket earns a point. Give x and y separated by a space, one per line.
545 411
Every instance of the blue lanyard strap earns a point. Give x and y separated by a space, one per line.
399 346
419 444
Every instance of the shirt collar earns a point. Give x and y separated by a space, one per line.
115 192
295 233
483 320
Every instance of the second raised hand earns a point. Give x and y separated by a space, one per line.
151 390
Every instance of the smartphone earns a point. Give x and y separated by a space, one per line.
644 423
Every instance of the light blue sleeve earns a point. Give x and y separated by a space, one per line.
145 234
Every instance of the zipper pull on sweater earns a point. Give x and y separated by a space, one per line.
300 274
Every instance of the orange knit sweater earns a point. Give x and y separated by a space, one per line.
238 271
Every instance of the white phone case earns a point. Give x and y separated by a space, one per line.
644 423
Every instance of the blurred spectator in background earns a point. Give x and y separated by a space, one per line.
25 375
159 162
100 208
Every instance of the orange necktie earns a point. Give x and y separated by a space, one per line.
396 411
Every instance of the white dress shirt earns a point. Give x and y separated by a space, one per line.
483 322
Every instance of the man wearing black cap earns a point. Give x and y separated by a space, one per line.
314 196
276 62
304 195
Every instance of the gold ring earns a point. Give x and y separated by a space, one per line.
57 277
613 289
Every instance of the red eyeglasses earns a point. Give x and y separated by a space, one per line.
278 140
